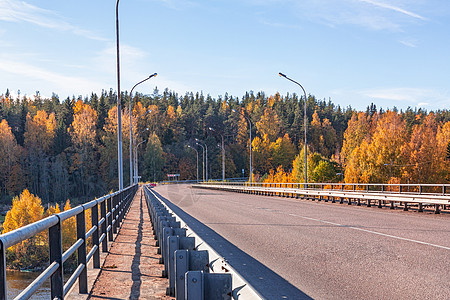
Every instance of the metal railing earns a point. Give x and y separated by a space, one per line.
112 211
437 195
236 179
189 260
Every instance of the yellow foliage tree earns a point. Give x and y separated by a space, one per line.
26 209
9 159
83 130
269 124
40 130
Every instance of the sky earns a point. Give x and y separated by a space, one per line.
352 52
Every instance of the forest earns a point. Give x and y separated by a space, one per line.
67 149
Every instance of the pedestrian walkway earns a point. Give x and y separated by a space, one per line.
132 270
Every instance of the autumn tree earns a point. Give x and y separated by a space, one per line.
10 169
39 135
83 132
26 209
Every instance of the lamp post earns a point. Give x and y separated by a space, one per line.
206 147
131 126
203 154
251 152
197 158
223 154
135 155
119 106
136 177
306 141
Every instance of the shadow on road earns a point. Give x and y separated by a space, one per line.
269 284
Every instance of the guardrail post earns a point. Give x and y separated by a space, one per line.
55 245
95 236
81 234
437 209
2 272
201 285
110 218
114 204
104 225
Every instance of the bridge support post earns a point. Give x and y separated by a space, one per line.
104 225
116 208
55 245
3 293
437 209
110 219
420 207
81 234
95 237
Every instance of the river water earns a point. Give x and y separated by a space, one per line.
17 281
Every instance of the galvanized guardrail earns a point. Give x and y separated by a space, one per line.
195 270
403 194
236 179
112 211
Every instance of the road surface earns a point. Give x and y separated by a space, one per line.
291 249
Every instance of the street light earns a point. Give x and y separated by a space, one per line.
131 126
135 168
136 177
197 158
223 154
119 106
251 152
306 147
203 155
206 165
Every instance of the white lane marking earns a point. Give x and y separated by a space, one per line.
356 228
370 231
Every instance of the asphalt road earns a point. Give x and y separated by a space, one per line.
292 249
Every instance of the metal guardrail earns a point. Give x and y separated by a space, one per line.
405 194
112 211
195 270
236 179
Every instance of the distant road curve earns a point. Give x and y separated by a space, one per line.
329 251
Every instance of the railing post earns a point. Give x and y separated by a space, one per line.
110 218
55 245
3 294
95 236
114 205
104 225
81 234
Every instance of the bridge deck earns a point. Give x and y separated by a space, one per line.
131 269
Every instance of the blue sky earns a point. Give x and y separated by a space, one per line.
354 52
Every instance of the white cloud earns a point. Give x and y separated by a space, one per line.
413 95
21 11
393 8
409 43
420 97
67 85
371 14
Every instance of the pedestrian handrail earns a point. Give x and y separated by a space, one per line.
401 188
112 211
358 192
170 227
